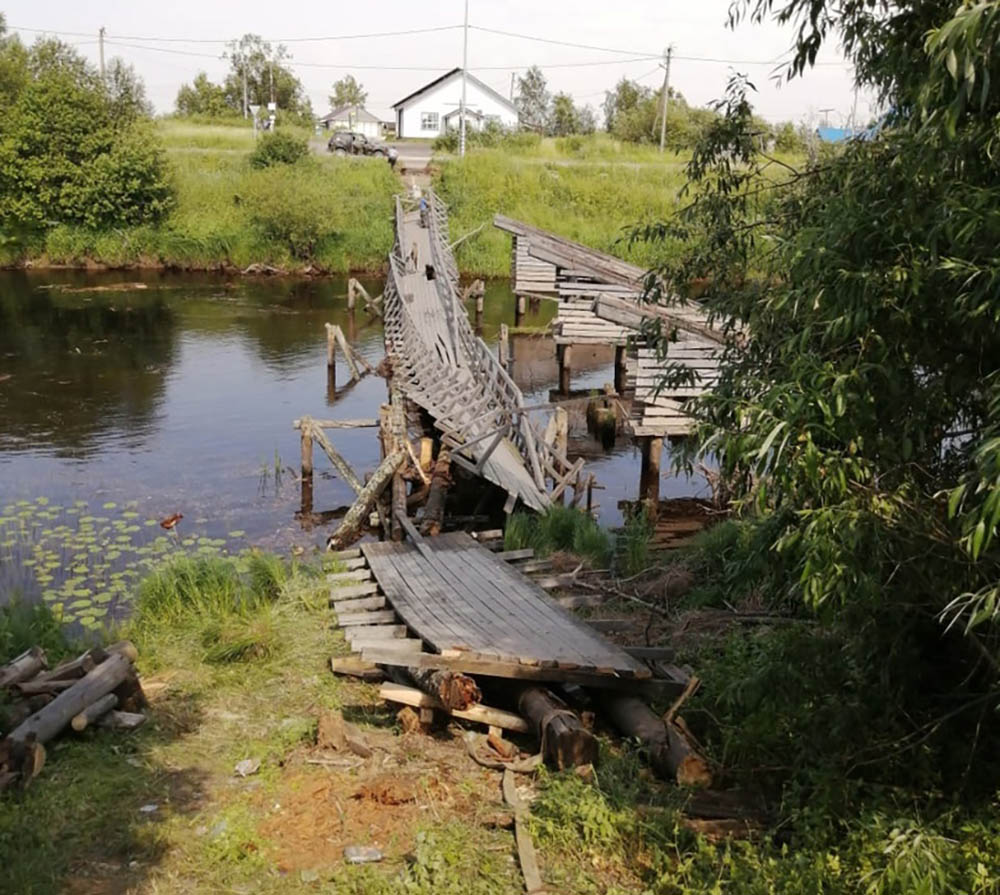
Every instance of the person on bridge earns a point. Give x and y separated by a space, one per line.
424 208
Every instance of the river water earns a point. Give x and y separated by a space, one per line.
125 398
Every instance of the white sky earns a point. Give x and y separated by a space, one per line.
641 26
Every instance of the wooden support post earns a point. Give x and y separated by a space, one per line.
561 441
336 333
503 347
440 480
564 359
519 309
620 369
351 525
649 476
352 296
331 348
307 450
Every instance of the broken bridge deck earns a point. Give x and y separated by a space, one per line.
474 610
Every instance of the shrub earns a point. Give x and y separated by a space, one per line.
560 528
278 148
294 207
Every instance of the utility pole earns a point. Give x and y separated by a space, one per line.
666 93
465 65
513 76
246 99
100 42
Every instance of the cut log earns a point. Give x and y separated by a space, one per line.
565 741
350 527
42 688
92 712
440 482
452 688
73 669
671 753
25 666
44 724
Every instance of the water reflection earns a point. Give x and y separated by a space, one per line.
178 393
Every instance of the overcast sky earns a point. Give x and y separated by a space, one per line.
698 32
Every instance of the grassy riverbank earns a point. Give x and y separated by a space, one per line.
323 213
588 194
233 653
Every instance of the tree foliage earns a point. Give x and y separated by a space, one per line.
278 148
258 64
859 399
347 92
202 97
75 148
532 99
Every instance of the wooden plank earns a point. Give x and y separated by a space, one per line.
353 575
358 605
352 553
512 555
481 714
375 617
517 671
350 564
383 632
402 646
350 591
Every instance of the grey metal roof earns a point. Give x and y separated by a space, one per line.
349 112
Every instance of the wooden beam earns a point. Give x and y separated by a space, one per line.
481 714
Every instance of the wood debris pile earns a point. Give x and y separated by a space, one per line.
99 688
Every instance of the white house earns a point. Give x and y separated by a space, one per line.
435 107
353 118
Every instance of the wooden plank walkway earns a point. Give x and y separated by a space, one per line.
468 604
447 370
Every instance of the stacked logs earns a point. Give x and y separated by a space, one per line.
98 688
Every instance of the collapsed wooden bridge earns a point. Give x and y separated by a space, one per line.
439 363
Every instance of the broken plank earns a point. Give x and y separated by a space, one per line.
352 666
481 714
511 555
352 619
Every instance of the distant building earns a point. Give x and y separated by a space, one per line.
353 118
435 107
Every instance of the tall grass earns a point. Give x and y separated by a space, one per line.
593 204
228 605
633 544
560 528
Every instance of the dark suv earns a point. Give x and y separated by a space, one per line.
350 143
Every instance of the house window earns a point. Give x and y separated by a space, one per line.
429 121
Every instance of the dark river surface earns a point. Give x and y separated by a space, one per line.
121 405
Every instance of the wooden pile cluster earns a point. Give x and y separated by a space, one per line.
556 704
100 687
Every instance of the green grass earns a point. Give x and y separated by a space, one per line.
322 212
592 204
562 529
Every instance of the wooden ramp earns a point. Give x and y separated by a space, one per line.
477 614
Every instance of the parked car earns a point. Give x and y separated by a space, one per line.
351 143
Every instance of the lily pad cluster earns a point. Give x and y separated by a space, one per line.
84 560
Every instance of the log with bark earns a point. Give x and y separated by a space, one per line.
456 691
78 693
672 753
565 741
350 527
440 481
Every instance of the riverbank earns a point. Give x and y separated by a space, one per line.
327 216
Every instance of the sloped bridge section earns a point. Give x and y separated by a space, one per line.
441 365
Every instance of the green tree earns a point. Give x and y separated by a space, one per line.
859 399
202 97
347 92
532 99
77 149
259 65
13 66
626 96
563 117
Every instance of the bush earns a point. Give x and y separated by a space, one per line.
278 148
492 136
560 528
293 206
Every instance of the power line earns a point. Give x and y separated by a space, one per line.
561 43
216 40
